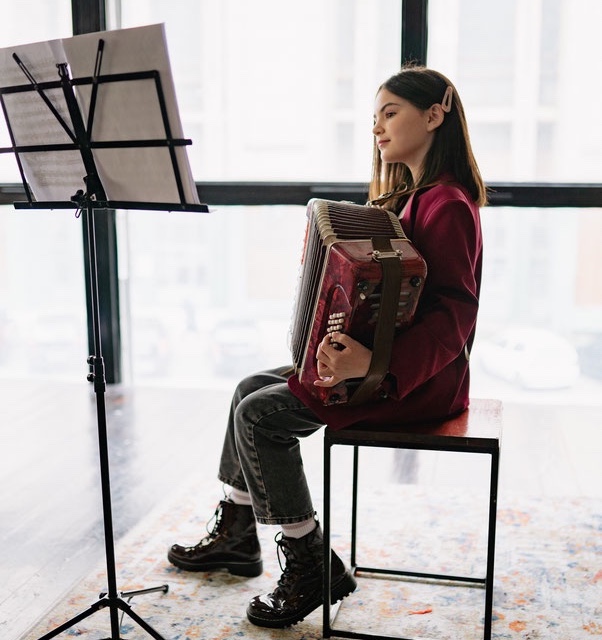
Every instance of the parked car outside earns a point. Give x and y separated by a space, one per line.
531 357
590 358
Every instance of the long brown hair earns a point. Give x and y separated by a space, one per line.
450 151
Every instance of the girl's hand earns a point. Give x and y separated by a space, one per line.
336 364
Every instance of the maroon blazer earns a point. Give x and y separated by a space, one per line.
428 375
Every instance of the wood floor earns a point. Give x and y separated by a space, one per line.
51 527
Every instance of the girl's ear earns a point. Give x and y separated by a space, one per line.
435 116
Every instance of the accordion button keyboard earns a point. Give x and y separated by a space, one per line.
335 322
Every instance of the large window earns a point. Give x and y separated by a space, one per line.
271 91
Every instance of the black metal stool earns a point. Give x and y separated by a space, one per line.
477 430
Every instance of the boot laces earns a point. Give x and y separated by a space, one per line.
212 533
290 566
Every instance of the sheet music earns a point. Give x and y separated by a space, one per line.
50 175
124 111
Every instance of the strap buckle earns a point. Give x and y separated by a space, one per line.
383 255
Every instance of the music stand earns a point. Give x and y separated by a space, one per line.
90 200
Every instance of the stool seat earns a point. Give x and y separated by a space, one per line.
477 430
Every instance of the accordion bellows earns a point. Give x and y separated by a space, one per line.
340 284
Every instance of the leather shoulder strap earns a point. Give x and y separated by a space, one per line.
384 333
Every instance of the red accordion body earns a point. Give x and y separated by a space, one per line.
340 285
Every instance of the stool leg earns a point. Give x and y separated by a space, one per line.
326 532
354 507
493 486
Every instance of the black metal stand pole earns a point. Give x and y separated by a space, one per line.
111 599
97 376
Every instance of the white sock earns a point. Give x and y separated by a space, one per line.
299 529
240 497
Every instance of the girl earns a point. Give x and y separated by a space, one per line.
423 170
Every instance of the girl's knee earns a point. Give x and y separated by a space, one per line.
255 382
248 386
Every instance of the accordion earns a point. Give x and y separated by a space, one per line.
360 275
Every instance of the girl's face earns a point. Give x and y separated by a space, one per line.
402 132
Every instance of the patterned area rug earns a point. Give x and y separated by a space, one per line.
548 573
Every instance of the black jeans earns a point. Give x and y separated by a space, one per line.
261 452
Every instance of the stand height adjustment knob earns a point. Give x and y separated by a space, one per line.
91 360
90 377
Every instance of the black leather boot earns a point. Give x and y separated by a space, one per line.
232 544
299 590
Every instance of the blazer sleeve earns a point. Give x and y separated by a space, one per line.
446 231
